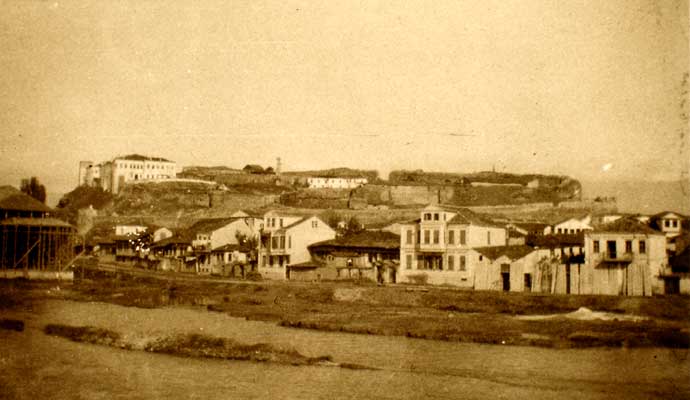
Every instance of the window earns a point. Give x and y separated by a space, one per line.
596 246
270 260
314 224
274 242
451 237
481 258
435 216
408 261
674 223
280 221
419 237
463 263
643 246
409 237
427 217
436 236
426 237
488 237
282 242
451 263
463 238
667 223
628 246
289 242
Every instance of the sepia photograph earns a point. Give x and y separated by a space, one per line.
356 199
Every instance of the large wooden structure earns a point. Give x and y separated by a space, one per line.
30 240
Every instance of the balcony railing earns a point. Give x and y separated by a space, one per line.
616 256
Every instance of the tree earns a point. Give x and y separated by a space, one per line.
33 188
248 245
352 226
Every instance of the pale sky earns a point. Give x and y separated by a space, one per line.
591 89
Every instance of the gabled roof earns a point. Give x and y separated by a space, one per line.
578 218
139 157
299 221
531 226
366 239
13 199
512 252
227 247
176 239
625 225
210 224
247 214
466 217
664 213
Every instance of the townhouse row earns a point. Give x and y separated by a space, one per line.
444 246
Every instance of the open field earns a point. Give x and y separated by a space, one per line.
419 312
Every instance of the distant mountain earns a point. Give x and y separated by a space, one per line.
647 197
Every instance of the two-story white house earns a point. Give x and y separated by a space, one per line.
210 234
626 257
285 239
436 248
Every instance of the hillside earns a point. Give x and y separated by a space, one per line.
82 197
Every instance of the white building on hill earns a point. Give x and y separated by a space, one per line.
320 182
112 175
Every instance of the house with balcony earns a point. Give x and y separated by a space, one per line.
436 248
285 239
626 257
371 255
173 253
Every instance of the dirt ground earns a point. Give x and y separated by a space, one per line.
419 312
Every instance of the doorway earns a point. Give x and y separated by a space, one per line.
505 277
611 248
671 285
528 283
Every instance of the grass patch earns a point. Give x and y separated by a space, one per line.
189 345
